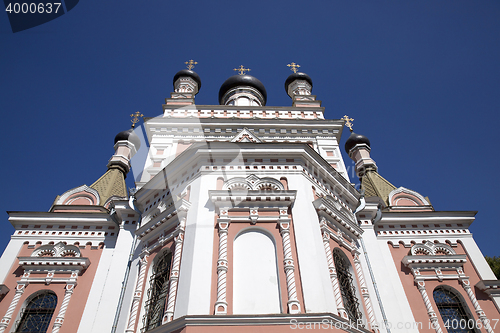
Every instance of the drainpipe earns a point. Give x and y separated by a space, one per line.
377 218
129 265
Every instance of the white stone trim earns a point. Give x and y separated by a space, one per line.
407 191
331 269
480 313
364 293
222 267
137 295
253 182
288 262
64 306
175 272
430 310
83 188
13 304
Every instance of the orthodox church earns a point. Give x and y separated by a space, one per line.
244 219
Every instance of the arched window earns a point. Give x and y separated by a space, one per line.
158 291
452 311
346 285
38 313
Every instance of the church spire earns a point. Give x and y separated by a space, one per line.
112 183
358 148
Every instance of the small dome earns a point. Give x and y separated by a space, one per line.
242 80
297 76
129 135
355 139
191 74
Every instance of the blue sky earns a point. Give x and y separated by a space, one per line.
420 78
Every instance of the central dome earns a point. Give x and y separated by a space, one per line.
242 81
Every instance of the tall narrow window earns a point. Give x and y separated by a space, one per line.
38 313
158 291
452 311
346 285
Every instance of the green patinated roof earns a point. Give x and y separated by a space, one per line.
377 186
111 183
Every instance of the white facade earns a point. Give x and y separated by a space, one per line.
252 209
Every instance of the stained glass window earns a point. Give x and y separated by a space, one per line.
157 293
38 313
346 285
452 311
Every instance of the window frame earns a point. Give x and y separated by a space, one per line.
159 303
26 312
343 268
460 305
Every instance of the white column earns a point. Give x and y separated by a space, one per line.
477 307
364 293
174 274
222 264
293 302
428 306
8 315
137 295
333 272
64 306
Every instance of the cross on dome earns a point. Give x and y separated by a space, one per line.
242 70
135 117
293 67
348 121
190 64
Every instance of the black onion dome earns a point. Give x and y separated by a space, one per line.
297 76
355 139
129 135
242 80
191 74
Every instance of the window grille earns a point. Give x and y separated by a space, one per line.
346 285
38 313
452 311
157 293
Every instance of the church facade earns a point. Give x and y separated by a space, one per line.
244 219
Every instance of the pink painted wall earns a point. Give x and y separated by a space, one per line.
417 304
78 299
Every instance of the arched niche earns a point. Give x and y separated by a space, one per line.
255 273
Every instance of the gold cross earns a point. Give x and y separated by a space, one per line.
190 64
348 121
293 67
242 70
135 117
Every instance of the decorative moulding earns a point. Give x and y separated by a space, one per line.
84 189
252 182
246 135
491 287
430 248
407 194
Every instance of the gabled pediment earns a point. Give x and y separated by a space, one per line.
246 136
82 195
403 198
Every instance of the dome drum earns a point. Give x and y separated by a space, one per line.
243 96
244 89
299 87
187 81
298 84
